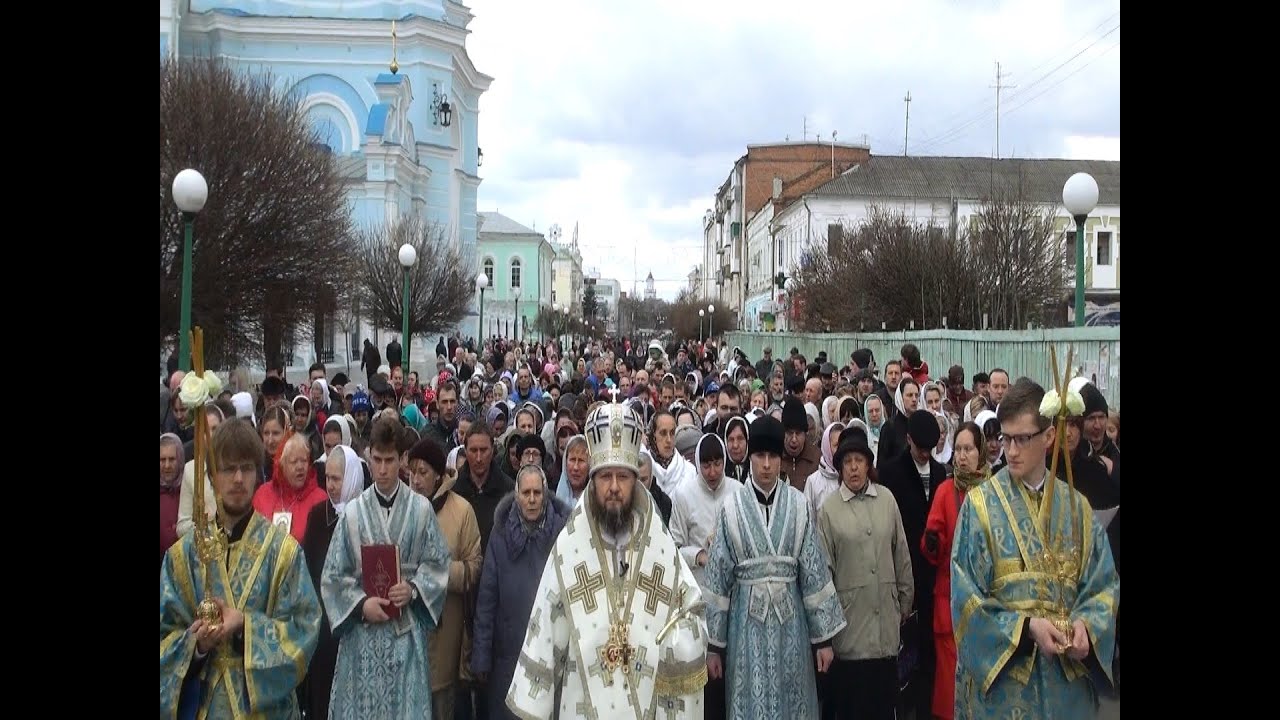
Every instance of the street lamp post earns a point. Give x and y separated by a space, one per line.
408 257
701 314
1080 197
711 321
482 282
190 191
564 310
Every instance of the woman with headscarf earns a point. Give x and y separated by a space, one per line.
971 470
826 479
670 469
526 524
287 500
574 470
171 463
942 452
320 401
874 417
344 481
737 461
990 427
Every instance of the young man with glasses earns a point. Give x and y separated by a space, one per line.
1028 552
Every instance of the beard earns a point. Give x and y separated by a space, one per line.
613 520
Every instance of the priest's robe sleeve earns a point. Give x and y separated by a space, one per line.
821 604
987 633
341 587
1098 595
719 577
177 613
432 576
280 640
540 669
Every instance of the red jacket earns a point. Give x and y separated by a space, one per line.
919 374
279 496
942 520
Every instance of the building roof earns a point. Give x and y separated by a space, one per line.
494 223
971 178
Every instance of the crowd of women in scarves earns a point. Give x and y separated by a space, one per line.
941 545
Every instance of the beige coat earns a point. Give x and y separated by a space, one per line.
871 568
462 534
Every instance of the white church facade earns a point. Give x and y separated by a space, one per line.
405 142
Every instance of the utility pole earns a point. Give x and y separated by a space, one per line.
804 133
998 88
907 129
833 154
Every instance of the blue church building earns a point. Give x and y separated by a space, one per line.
405 142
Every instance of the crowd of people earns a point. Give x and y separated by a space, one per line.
661 530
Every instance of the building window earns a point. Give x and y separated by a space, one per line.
835 233
488 270
1104 247
515 273
1070 259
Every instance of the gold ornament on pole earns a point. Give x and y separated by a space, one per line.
1060 556
210 538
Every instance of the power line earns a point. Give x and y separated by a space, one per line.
1063 79
984 114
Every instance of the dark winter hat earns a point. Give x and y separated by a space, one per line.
827 369
766 436
429 450
862 357
273 386
793 415
796 385
855 442
922 428
340 379
1094 402
532 440
687 437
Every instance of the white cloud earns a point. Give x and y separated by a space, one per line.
626 116
1081 147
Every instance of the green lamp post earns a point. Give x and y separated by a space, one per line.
408 258
1080 197
190 191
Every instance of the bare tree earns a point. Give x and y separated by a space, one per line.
441 283
892 270
1020 256
275 227
684 321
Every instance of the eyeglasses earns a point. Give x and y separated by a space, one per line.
1018 440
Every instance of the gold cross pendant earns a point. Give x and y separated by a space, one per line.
617 653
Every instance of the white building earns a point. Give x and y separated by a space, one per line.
608 294
566 272
947 190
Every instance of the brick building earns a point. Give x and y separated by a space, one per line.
765 173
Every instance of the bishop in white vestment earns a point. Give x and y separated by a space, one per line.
617 628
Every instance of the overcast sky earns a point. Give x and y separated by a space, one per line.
625 116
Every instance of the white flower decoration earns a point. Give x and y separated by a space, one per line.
214 384
194 391
1075 403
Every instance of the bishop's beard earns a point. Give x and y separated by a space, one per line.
613 520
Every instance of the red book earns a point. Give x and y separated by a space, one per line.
380 565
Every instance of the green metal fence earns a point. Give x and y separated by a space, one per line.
1021 352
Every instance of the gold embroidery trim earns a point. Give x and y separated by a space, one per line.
686 684
1027 558
1004 658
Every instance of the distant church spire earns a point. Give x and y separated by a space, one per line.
395 66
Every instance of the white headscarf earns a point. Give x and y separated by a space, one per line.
344 426
325 399
243 403
944 457
352 478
